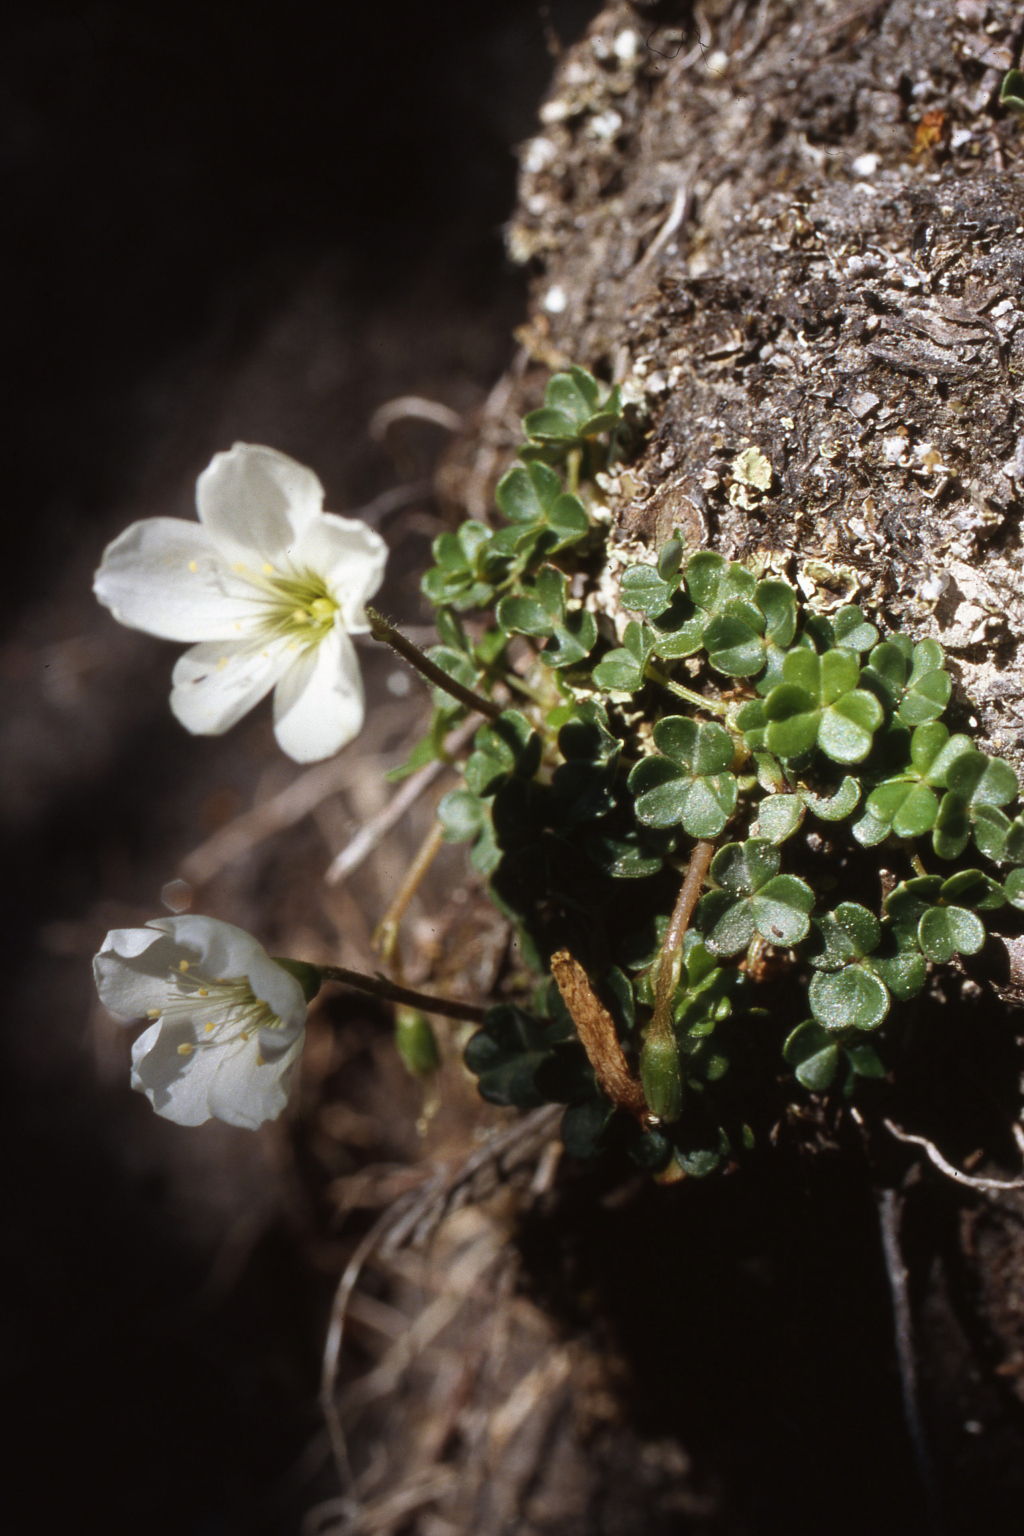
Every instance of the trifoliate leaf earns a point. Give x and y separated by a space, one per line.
754 898
1014 888
622 670
853 998
818 703
690 785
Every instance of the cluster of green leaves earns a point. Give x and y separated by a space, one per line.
727 712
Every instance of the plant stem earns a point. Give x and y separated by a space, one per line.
910 849
712 706
379 986
572 466
381 630
386 936
672 944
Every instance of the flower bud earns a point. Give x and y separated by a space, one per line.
416 1042
661 1078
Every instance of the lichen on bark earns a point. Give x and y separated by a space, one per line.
798 228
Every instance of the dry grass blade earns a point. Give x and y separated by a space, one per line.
375 830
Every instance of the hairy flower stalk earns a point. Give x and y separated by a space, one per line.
270 585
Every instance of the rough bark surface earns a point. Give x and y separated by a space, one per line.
799 227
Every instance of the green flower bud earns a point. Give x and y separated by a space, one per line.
416 1042
661 1079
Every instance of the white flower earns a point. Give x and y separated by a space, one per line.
228 1022
270 584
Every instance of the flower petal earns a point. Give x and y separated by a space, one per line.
318 704
215 684
132 968
176 1085
248 1088
350 557
255 502
220 949
164 575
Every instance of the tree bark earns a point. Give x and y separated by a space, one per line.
799 228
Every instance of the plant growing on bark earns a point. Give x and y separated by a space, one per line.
664 811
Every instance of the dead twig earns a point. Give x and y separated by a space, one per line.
946 1167
375 830
596 1029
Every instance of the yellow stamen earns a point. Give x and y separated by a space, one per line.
268 570
152 1013
204 991
185 1050
193 565
182 965
260 1062
210 1027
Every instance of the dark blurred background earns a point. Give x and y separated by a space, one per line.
222 220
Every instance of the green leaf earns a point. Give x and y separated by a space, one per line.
679 630
622 858
865 1060
854 998
712 580
777 601
814 1054
568 519
462 815
523 616
818 702
643 590
842 802
907 806
846 934
982 780
848 726
505 1054
754 898
904 972
993 831
779 816
733 645
952 827
852 629
527 493
583 1127
1012 92
1014 888
622 670
947 931
690 785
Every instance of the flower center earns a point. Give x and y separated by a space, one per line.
297 604
224 1011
